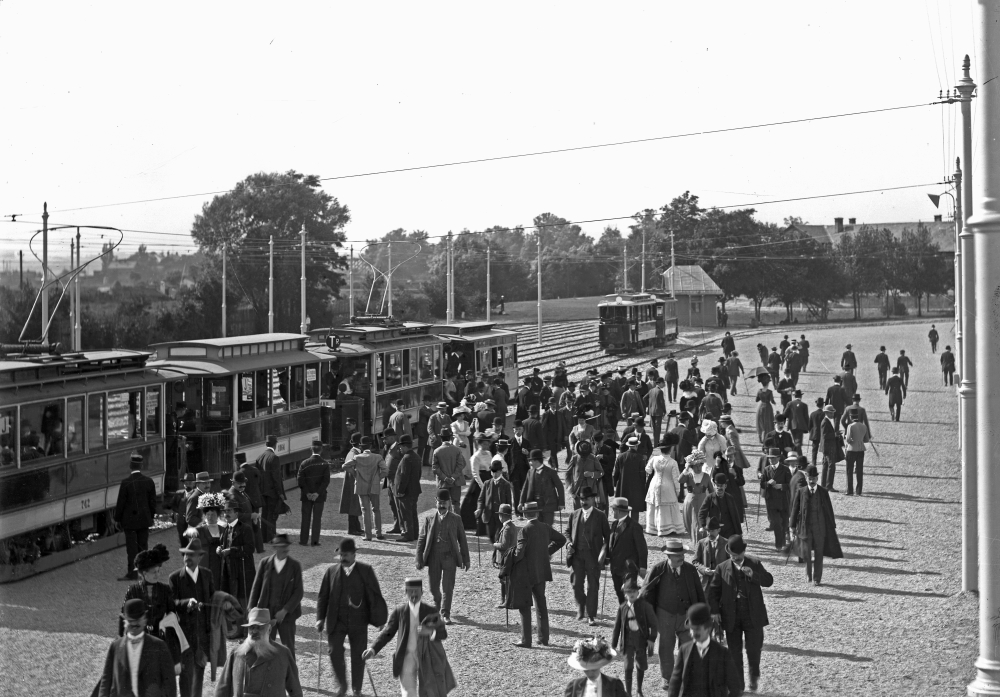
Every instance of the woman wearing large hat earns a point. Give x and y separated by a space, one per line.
663 512
697 484
210 532
584 470
583 431
590 656
158 598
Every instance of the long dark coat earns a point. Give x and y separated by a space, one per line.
800 519
630 478
238 569
350 502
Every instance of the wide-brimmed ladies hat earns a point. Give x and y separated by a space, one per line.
591 654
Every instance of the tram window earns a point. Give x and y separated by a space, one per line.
74 425
328 387
393 370
151 413
279 389
432 392
8 437
262 392
414 366
379 372
245 404
437 362
512 355
297 393
219 403
312 383
95 422
123 417
41 430
426 363
405 368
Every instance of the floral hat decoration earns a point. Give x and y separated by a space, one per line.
211 501
591 654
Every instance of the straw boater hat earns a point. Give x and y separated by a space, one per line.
591 654
259 617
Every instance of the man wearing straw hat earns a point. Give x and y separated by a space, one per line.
257 666
737 604
134 513
414 622
704 667
589 656
671 587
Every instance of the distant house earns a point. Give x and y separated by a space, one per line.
942 232
697 295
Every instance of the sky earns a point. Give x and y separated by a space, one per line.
108 103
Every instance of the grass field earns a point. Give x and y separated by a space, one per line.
889 620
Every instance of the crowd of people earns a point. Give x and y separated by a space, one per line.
700 608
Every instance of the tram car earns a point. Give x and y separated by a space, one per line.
632 321
68 427
372 362
481 348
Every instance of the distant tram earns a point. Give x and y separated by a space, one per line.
632 321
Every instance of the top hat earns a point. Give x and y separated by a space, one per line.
736 545
259 617
699 615
240 458
134 608
347 545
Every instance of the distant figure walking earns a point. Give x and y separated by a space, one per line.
948 366
933 336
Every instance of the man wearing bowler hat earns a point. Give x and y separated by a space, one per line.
737 604
883 362
588 532
543 488
192 587
797 419
349 600
630 477
272 486
849 361
815 526
504 546
257 666
407 622
314 479
406 486
442 548
531 571
253 475
896 390
627 550
449 464
722 505
828 445
138 663
671 587
278 588
495 493
815 427
134 513
775 483
710 553
856 408
705 667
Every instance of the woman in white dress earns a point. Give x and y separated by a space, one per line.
663 512
461 429
712 442
697 485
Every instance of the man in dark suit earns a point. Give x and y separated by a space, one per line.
774 483
828 445
193 587
630 476
672 586
836 396
656 407
278 587
536 543
272 488
883 363
815 526
849 361
588 533
516 458
406 622
722 505
896 390
705 667
797 418
407 489
631 402
688 439
815 427
533 426
138 663
553 436
252 474
904 364
314 479
134 513
544 488
710 553
738 606
947 367
349 600
626 544
496 492
442 548
862 413
671 375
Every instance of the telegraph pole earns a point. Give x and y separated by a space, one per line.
225 251
350 287
388 279
642 288
625 267
20 255
488 297
302 284
72 297
673 266
984 227
77 333
539 270
270 285
450 312
45 274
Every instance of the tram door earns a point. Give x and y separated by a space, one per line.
337 423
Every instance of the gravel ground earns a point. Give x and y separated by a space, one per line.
889 619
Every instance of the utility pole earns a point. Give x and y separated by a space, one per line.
388 279
984 227
45 274
21 256
270 286
642 288
302 284
625 267
225 251
488 296
77 332
450 312
350 287
673 267
539 240
72 297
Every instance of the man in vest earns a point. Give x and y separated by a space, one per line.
442 548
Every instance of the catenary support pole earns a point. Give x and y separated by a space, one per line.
984 225
45 274
302 284
225 253
539 274
77 328
673 268
625 267
72 296
489 300
642 277
388 279
350 287
270 285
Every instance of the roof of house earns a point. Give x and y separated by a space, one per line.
691 280
942 233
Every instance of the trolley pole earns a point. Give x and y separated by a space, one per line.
539 270
350 287
388 279
673 268
642 281
45 274
270 286
489 300
984 226
77 332
225 251
302 284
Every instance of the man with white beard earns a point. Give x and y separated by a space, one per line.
257 666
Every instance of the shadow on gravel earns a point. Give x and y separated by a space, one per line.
815 596
817 654
306 688
515 624
868 520
853 555
911 476
858 544
891 572
886 591
856 537
908 497
371 551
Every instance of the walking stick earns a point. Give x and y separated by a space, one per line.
370 681
319 657
604 592
874 449
560 527
479 551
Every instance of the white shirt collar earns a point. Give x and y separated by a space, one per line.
279 564
587 512
703 645
192 574
347 568
812 490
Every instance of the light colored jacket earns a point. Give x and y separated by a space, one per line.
368 468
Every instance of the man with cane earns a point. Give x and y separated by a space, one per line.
588 533
349 600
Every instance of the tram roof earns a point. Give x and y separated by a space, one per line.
90 361
628 299
34 372
235 354
469 331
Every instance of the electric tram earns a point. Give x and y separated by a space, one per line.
632 321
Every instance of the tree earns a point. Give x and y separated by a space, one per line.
278 205
925 271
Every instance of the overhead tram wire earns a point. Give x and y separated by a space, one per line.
537 153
